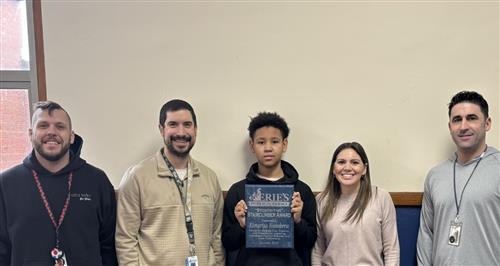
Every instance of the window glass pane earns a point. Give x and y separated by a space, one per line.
14 125
14 48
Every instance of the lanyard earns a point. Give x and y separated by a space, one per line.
186 202
47 206
457 202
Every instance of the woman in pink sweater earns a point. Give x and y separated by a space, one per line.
356 221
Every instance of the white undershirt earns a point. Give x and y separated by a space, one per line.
272 179
182 173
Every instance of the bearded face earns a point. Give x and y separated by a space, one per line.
51 134
179 146
179 133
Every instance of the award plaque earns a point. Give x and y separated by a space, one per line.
269 222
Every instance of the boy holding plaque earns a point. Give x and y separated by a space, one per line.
268 141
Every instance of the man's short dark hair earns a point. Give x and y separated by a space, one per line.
470 97
267 119
175 105
50 106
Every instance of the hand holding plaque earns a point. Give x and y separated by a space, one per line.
240 212
297 205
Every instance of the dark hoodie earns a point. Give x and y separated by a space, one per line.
87 232
233 236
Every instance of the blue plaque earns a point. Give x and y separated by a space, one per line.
269 221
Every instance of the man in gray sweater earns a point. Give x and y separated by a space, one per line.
460 219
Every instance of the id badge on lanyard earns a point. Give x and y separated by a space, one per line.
455 232
56 253
192 261
456 225
59 257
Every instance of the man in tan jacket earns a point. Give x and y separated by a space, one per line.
170 205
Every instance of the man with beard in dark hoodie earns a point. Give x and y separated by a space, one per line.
268 141
55 208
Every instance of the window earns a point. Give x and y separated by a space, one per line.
21 76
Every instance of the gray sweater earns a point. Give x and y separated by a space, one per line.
479 213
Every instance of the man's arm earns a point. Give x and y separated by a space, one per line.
216 230
426 230
107 224
5 247
128 220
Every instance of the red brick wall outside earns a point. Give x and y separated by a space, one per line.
11 35
14 104
14 125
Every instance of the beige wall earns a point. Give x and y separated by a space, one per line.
379 73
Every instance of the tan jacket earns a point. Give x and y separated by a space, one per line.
151 227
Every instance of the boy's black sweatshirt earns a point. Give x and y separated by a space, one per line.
233 236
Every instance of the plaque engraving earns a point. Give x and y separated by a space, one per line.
269 222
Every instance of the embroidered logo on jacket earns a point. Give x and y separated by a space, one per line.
82 196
